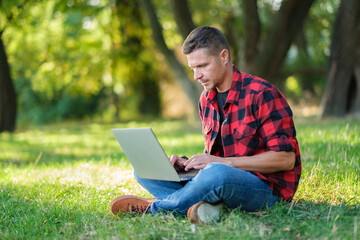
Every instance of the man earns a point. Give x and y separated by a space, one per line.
251 158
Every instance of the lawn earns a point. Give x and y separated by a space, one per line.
56 182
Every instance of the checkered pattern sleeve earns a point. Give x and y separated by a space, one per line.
275 117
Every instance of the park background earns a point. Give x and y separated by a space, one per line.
72 70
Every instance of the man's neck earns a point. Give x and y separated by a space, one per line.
229 75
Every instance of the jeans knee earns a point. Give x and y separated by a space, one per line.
223 173
214 173
215 166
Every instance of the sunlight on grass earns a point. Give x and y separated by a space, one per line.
330 160
58 180
86 174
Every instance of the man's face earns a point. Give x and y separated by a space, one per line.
209 70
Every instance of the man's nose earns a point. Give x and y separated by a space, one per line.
197 75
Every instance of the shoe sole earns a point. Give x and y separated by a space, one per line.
115 209
206 213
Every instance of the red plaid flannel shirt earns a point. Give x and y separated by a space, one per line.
257 119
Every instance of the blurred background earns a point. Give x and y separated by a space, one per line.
121 60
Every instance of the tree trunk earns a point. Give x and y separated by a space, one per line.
182 16
191 89
340 92
129 48
355 110
288 22
7 94
252 35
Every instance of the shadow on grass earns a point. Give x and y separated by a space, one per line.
301 219
57 145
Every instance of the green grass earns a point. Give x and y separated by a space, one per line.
57 181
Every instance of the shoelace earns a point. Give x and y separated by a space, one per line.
138 209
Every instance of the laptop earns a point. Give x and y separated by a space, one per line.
147 156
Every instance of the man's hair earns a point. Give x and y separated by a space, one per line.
205 37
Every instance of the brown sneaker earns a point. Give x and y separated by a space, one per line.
130 203
204 212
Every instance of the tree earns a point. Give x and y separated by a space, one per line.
286 26
8 105
342 92
7 93
131 55
81 58
191 89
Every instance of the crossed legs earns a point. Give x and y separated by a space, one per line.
215 183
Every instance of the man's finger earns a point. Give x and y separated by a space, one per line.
173 159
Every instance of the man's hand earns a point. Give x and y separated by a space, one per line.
178 162
200 161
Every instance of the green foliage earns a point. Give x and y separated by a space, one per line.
57 182
55 62
9 9
62 54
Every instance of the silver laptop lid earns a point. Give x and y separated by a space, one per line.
145 153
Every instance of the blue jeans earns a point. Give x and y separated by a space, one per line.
215 183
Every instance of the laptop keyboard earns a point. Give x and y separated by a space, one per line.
188 174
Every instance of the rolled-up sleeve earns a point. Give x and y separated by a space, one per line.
276 121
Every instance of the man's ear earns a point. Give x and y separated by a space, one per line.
224 56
